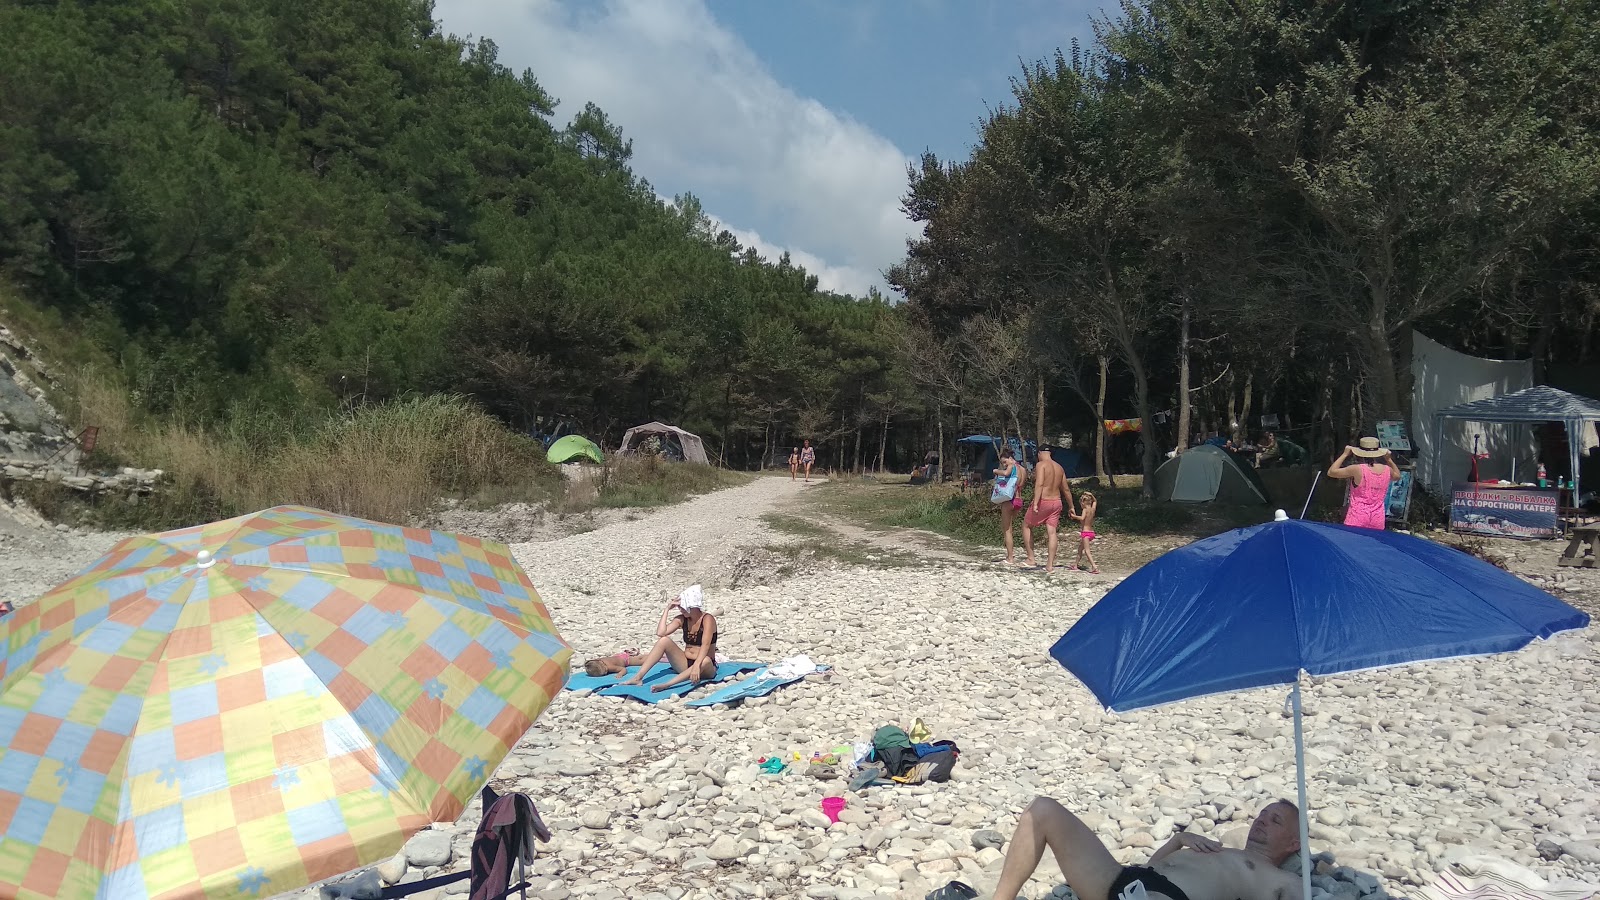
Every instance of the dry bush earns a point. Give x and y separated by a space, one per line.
388 462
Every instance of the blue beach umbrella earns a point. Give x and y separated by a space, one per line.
1257 606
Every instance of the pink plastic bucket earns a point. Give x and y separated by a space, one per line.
831 807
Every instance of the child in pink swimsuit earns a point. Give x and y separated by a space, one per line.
1085 519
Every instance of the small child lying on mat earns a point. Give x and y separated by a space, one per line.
615 664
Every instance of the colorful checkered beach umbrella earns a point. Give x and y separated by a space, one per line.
250 706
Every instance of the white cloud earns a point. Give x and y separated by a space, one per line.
707 117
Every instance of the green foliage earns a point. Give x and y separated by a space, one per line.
1292 188
278 210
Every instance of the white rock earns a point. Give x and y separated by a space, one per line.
724 847
881 874
428 848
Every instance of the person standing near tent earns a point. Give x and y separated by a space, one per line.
1008 482
1369 488
1050 492
794 462
808 457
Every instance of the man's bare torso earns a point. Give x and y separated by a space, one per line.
1048 480
1228 875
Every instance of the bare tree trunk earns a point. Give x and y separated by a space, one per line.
1244 411
1184 409
1100 426
1383 385
1039 430
883 442
857 469
943 460
1141 386
1232 431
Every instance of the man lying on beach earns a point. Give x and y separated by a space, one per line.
1188 867
697 658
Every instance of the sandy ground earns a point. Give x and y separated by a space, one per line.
1410 768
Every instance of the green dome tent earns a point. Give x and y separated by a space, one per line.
1204 474
574 447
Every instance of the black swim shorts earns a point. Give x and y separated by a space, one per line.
1152 880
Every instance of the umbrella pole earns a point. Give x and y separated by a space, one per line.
1305 808
1313 493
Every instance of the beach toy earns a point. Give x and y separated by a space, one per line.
772 765
831 807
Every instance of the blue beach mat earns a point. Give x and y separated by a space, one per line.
757 685
608 687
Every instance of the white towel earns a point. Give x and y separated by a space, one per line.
793 667
1491 878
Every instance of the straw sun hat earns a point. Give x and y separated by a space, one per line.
1368 447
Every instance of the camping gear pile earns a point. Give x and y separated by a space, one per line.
899 757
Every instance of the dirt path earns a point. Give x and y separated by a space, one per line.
706 539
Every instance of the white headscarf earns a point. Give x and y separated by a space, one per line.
692 598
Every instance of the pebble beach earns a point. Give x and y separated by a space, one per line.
1409 768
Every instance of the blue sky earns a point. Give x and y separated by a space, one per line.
791 120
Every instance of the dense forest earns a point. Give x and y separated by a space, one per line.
296 206
1226 207
264 212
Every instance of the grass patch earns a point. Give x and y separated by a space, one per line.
941 509
635 481
972 520
387 462
800 555
795 525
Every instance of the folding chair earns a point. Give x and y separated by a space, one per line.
509 827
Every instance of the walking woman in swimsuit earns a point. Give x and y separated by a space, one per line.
808 457
697 659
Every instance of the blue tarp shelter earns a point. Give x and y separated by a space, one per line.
988 448
1531 406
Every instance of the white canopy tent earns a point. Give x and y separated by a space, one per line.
1533 406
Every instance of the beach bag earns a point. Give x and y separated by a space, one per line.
935 767
1005 488
892 747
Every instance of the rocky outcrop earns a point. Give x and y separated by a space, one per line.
36 444
126 480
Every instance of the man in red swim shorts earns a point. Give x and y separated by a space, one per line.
1049 492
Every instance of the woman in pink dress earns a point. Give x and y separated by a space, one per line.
1369 492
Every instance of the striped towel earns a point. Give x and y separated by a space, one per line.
1490 878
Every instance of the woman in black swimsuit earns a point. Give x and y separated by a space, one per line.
697 659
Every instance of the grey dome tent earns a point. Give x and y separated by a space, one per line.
1205 474
671 436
